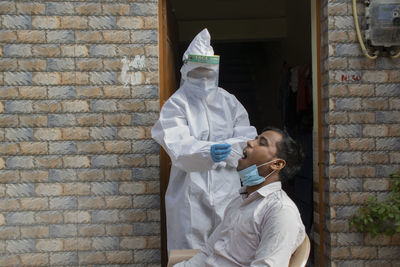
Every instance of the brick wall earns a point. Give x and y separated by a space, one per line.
361 138
79 177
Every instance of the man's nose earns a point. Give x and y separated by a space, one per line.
250 143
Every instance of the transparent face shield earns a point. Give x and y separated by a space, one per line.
201 72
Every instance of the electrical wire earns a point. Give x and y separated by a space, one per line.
360 40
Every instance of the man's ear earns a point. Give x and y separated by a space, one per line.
278 164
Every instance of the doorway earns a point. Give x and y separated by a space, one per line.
265 50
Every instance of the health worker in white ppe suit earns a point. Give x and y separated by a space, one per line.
204 129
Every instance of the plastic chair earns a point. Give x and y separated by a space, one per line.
298 259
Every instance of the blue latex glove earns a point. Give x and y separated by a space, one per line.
219 152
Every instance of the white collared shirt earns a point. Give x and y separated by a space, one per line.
263 229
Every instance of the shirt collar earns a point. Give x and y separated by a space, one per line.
261 192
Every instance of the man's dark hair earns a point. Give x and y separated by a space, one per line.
290 151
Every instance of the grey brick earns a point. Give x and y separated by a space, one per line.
63 175
63 258
106 243
148 118
20 190
348 158
63 230
103 161
144 36
101 78
103 51
345 212
146 228
348 50
150 173
61 120
144 9
388 89
386 63
344 22
63 203
20 246
62 8
349 185
22 134
18 218
147 255
60 64
392 144
107 188
348 104
16 22
103 133
388 116
348 130
146 201
105 216
18 78
18 106
19 162
102 22
60 37
62 147
145 146
385 170
17 50
103 105
146 91
62 92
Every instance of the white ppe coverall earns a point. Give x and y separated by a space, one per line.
199 188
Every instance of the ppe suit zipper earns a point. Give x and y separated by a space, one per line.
209 176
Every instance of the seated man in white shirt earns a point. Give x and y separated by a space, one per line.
262 226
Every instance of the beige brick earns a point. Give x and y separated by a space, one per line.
89 92
116 9
153 187
376 184
8 93
117 146
35 231
31 8
9 148
76 217
130 243
150 22
361 117
74 22
90 119
375 104
91 202
119 229
47 134
75 106
90 147
119 256
88 37
76 189
118 175
47 106
362 144
117 119
44 189
49 245
80 244
378 240
116 92
33 147
45 22
153 242
362 63
361 89
2 219
91 258
118 202
394 130
375 130
33 92
74 51
115 36
394 76
46 78
131 132
46 50
340 252
32 65
1 107
132 188
8 36
74 78
34 203
130 50
112 64
33 120
31 36
49 217
9 260
153 215
130 22
88 8
92 64
75 133
375 76
337 63
48 162
76 162
35 259
91 175
7 7
363 252
91 230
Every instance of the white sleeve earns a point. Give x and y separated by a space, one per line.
172 132
279 238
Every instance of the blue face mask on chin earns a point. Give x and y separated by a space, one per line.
250 176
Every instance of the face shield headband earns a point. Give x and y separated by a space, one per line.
194 63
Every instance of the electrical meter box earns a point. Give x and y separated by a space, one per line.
383 19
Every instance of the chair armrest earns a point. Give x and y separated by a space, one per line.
179 255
